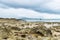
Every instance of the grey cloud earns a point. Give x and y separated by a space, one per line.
37 5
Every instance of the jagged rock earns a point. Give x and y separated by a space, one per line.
43 31
55 30
13 29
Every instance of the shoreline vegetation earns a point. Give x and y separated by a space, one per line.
18 29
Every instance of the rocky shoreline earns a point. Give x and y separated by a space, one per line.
13 29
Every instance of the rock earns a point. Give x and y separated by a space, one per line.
43 31
13 29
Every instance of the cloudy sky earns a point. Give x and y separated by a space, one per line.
46 9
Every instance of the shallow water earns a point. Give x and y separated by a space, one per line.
57 20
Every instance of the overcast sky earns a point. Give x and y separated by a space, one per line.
47 9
